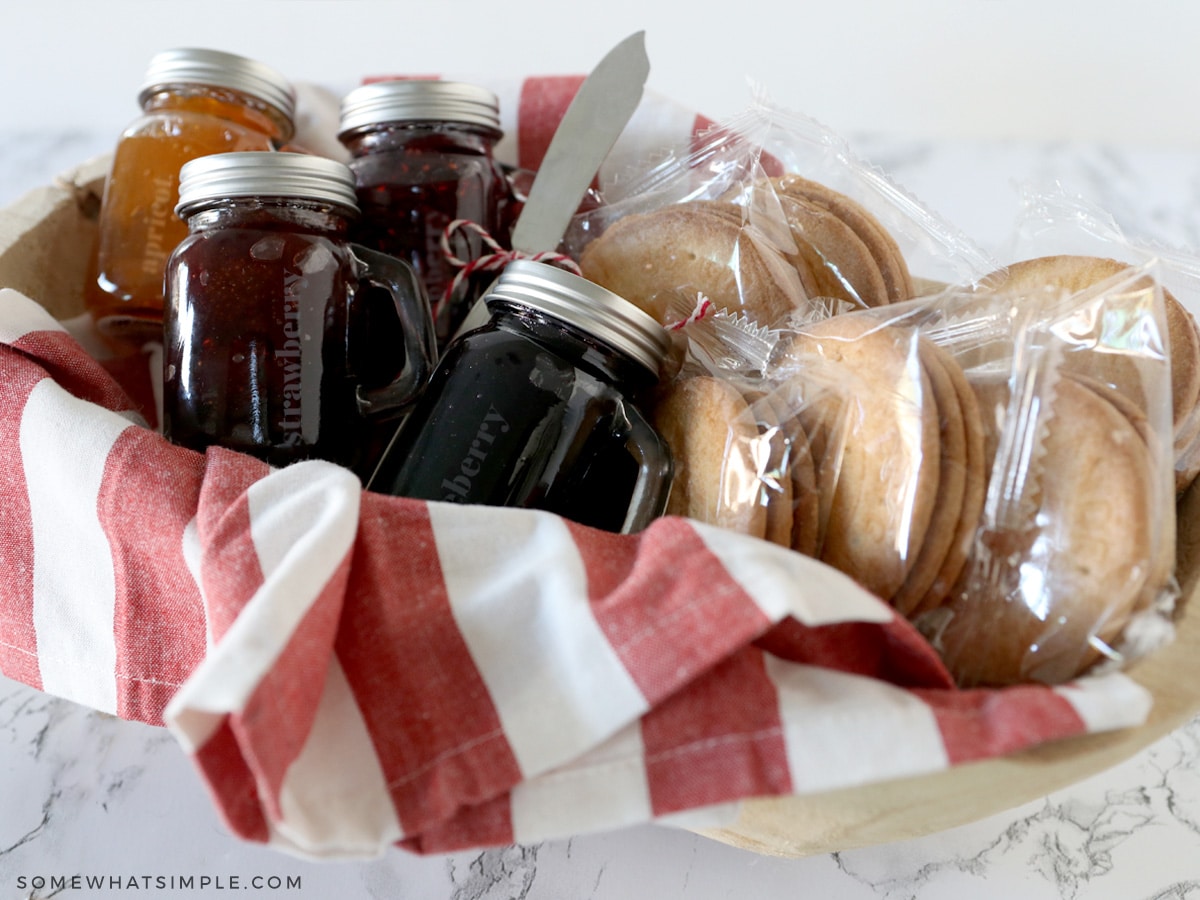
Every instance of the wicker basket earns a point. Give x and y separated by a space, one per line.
45 239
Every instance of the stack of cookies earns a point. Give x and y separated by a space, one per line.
868 456
1022 530
788 240
1062 562
1048 278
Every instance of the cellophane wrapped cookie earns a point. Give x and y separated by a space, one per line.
1079 243
994 461
768 216
993 450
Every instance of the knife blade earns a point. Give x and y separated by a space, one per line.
594 119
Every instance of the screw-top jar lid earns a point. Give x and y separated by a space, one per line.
267 174
191 65
569 298
419 100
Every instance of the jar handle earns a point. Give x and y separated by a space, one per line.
653 484
416 321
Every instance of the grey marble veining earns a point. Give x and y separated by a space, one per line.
85 793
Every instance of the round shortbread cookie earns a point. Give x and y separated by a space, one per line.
708 427
1078 273
775 478
1088 542
1163 538
952 478
839 263
692 248
975 474
875 447
792 457
891 262
806 496
1184 337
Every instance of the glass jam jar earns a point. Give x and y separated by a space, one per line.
422 156
268 345
538 408
195 102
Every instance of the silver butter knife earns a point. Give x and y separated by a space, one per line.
591 125
594 119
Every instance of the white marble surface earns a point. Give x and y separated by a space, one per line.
85 794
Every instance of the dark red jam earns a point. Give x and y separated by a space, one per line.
414 179
270 343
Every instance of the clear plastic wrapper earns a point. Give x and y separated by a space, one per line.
766 216
996 464
994 460
1071 564
1054 224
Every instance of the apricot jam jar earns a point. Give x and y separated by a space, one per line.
195 102
267 329
422 156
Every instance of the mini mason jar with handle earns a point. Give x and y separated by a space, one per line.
538 408
430 189
267 344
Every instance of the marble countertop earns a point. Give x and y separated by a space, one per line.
84 794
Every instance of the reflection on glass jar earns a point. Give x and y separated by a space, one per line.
538 408
195 102
422 156
266 328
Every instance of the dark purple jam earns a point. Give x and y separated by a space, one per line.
528 412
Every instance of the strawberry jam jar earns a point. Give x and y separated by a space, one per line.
270 328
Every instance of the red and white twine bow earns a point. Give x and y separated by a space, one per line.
489 262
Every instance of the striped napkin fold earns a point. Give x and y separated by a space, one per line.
351 671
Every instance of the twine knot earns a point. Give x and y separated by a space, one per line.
497 259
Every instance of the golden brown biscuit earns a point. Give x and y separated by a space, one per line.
1032 278
875 448
839 263
692 248
975 472
948 506
775 479
792 458
1088 543
711 434
1163 539
891 262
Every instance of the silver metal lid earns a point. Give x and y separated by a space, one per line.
191 65
264 173
609 318
419 100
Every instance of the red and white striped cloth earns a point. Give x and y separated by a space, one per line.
351 671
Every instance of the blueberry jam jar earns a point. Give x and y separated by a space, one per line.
538 408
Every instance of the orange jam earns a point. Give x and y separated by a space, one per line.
195 103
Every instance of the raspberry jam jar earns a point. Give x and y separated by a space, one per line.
195 102
422 156
538 408
268 330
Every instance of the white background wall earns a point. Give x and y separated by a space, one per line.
1108 70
